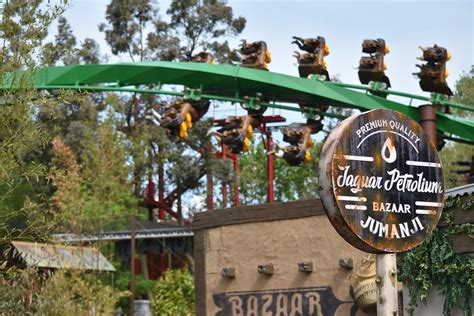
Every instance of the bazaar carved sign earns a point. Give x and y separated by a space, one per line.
314 301
381 181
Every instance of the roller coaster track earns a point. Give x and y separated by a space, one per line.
237 84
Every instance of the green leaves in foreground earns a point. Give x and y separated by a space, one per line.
174 294
435 262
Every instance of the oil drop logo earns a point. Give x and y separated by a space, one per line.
389 153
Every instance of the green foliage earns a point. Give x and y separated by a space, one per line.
201 24
450 154
455 151
434 262
123 276
291 183
73 293
19 291
465 90
64 49
23 26
174 294
128 20
193 25
27 292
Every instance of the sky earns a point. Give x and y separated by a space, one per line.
403 24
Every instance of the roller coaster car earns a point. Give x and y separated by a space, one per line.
368 72
295 156
203 57
293 133
433 74
372 68
429 79
299 136
238 131
180 116
234 140
311 45
311 62
255 55
317 125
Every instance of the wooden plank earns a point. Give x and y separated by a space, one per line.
257 213
200 272
460 216
462 243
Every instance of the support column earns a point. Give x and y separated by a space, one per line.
386 279
161 184
236 180
224 195
162 264
428 121
150 198
224 185
270 167
132 265
210 191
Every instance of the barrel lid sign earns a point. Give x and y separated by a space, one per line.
381 181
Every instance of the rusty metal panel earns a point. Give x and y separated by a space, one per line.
60 256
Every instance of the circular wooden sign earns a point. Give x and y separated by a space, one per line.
381 181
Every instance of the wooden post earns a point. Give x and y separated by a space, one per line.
132 266
386 278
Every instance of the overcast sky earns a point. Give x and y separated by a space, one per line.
403 24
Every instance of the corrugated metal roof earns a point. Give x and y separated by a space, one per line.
126 235
145 230
61 256
461 190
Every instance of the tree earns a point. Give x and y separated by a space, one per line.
65 50
174 294
46 186
464 93
200 24
128 20
291 183
22 28
454 152
193 25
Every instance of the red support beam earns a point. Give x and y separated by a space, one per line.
224 185
210 186
236 180
266 119
161 185
150 197
151 266
163 262
210 191
270 160
270 167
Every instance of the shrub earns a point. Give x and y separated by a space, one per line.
173 295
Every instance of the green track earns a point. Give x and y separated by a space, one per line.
236 84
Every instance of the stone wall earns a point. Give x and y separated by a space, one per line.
282 235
